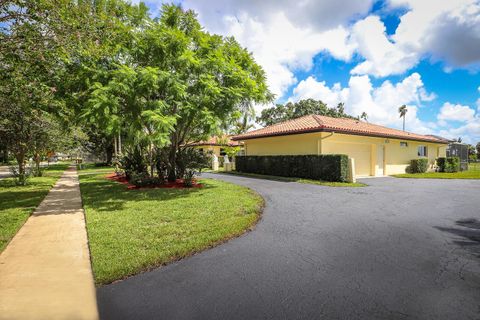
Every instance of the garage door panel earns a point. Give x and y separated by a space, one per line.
360 152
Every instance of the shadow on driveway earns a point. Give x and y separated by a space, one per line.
468 234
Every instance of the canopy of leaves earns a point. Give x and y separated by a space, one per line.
292 110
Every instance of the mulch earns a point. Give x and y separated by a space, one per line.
178 184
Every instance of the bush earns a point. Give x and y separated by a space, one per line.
329 167
21 179
418 165
449 164
144 180
191 160
188 178
133 163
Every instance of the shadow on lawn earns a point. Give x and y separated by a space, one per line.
468 235
106 195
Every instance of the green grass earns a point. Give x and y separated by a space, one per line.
299 180
131 231
473 172
18 202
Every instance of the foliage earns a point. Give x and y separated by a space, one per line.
142 179
448 164
418 166
189 162
317 167
280 112
403 112
478 149
133 163
473 172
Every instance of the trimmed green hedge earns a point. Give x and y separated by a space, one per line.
418 165
328 167
449 164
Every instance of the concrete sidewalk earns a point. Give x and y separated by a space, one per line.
45 271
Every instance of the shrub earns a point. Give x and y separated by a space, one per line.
188 178
449 164
21 179
418 165
133 163
144 180
329 167
191 160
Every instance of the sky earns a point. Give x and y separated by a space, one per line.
374 56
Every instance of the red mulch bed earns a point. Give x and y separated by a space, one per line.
167 185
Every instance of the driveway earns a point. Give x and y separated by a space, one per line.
397 249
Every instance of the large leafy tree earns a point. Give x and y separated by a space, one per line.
177 84
38 39
292 110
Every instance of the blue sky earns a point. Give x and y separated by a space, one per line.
372 55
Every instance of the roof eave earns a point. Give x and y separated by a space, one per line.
239 138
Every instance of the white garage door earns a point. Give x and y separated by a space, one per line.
360 152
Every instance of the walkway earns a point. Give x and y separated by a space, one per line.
45 271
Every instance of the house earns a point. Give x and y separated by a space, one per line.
216 145
376 150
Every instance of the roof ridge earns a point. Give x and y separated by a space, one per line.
318 120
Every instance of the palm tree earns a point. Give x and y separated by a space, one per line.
364 116
403 111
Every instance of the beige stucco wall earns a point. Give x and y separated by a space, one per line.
367 151
214 149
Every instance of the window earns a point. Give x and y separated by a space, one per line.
422 151
403 144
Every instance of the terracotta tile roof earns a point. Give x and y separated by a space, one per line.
316 123
215 141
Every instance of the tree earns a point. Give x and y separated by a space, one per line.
478 150
403 111
364 116
37 41
280 112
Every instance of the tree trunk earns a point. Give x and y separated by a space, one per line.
172 164
109 153
20 156
37 164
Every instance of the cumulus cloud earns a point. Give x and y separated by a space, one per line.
380 103
281 47
443 30
311 14
382 56
282 35
456 112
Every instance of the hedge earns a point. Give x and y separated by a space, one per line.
418 165
328 167
449 164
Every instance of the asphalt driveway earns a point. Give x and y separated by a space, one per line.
397 249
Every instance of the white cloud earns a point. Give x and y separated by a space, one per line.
456 112
382 56
442 29
282 35
380 103
280 47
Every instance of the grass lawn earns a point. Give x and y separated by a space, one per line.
473 172
18 202
299 180
131 231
